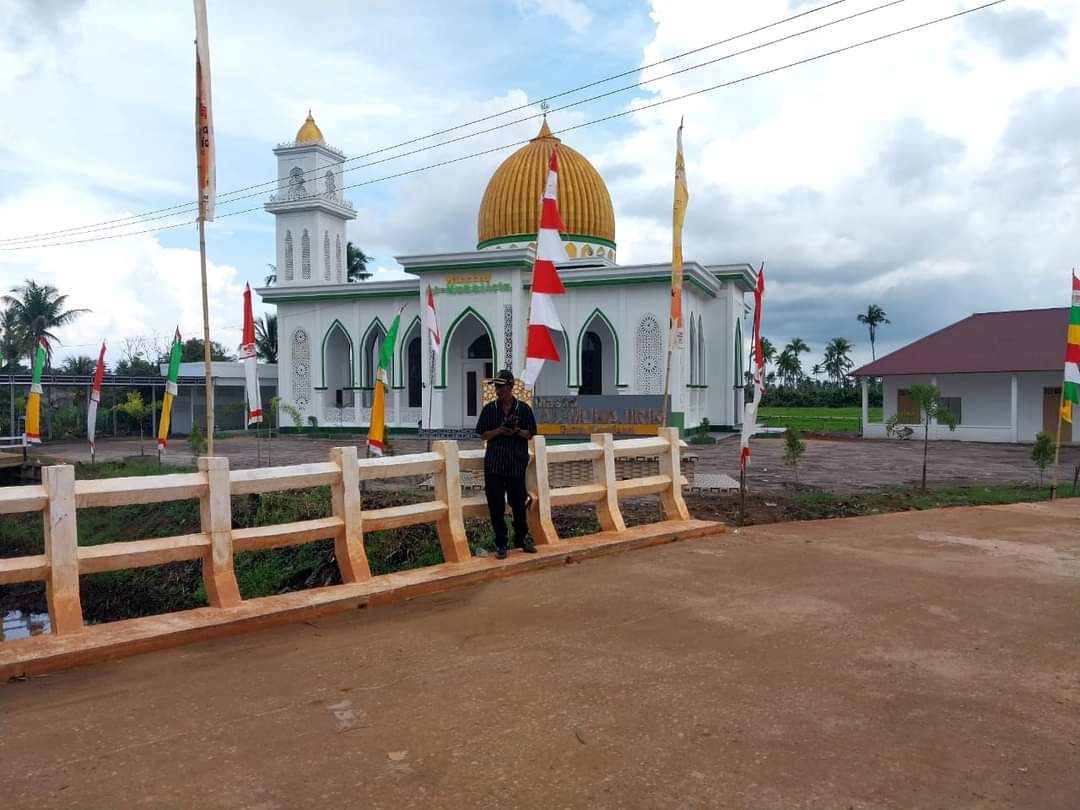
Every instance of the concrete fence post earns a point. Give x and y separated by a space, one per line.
607 508
61 550
671 465
541 526
451 526
345 496
215 511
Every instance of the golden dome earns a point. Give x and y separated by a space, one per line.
309 132
510 208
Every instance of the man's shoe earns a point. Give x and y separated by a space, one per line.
528 546
500 553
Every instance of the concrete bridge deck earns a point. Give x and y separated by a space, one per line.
910 660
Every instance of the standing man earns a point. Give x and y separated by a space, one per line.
506 424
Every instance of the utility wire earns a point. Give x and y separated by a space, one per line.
564 130
189 206
534 116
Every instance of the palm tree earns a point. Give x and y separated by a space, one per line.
11 342
271 277
266 338
81 366
837 362
357 262
789 366
768 351
38 309
873 318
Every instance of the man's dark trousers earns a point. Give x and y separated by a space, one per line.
500 489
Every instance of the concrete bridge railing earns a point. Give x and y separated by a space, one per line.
60 497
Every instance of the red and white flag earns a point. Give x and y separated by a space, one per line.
550 248
750 409
433 321
95 398
204 117
249 357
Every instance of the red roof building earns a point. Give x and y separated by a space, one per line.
983 343
1000 373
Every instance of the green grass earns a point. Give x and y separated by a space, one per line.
827 504
817 420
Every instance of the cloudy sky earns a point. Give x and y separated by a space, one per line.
934 174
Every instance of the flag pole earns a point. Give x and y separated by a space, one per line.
1057 446
206 341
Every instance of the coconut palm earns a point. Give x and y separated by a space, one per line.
788 366
11 342
768 351
356 261
81 366
39 309
266 345
837 361
873 318
271 277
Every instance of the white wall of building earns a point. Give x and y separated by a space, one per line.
1001 407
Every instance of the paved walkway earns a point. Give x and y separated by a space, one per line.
910 660
841 465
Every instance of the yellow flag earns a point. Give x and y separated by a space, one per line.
1066 411
682 197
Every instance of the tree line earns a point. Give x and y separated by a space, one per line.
788 383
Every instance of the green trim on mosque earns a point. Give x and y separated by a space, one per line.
622 282
450 334
322 350
363 339
343 296
531 237
453 268
403 349
614 334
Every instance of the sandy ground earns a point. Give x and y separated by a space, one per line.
838 465
914 660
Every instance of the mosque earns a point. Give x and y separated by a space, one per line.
615 317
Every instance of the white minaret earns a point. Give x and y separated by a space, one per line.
310 210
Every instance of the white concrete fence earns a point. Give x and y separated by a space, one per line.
59 497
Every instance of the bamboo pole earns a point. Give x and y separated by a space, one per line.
1057 446
206 341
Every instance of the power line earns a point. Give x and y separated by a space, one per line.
190 206
450 161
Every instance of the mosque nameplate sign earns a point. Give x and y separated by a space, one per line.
582 415
471 283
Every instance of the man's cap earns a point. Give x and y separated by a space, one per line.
504 377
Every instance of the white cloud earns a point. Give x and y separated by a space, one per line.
574 13
132 286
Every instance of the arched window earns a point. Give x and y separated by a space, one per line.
693 353
592 364
297 188
337 259
288 256
701 379
480 349
305 255
331 184
326 255
301 369
740 373
647 344
415 384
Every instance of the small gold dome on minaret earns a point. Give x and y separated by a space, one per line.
309 132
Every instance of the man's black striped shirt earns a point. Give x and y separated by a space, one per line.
506 455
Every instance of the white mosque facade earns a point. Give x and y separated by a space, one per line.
613 349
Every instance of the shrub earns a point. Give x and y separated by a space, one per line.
196 442
794 447
1042 452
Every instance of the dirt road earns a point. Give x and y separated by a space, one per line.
915 660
